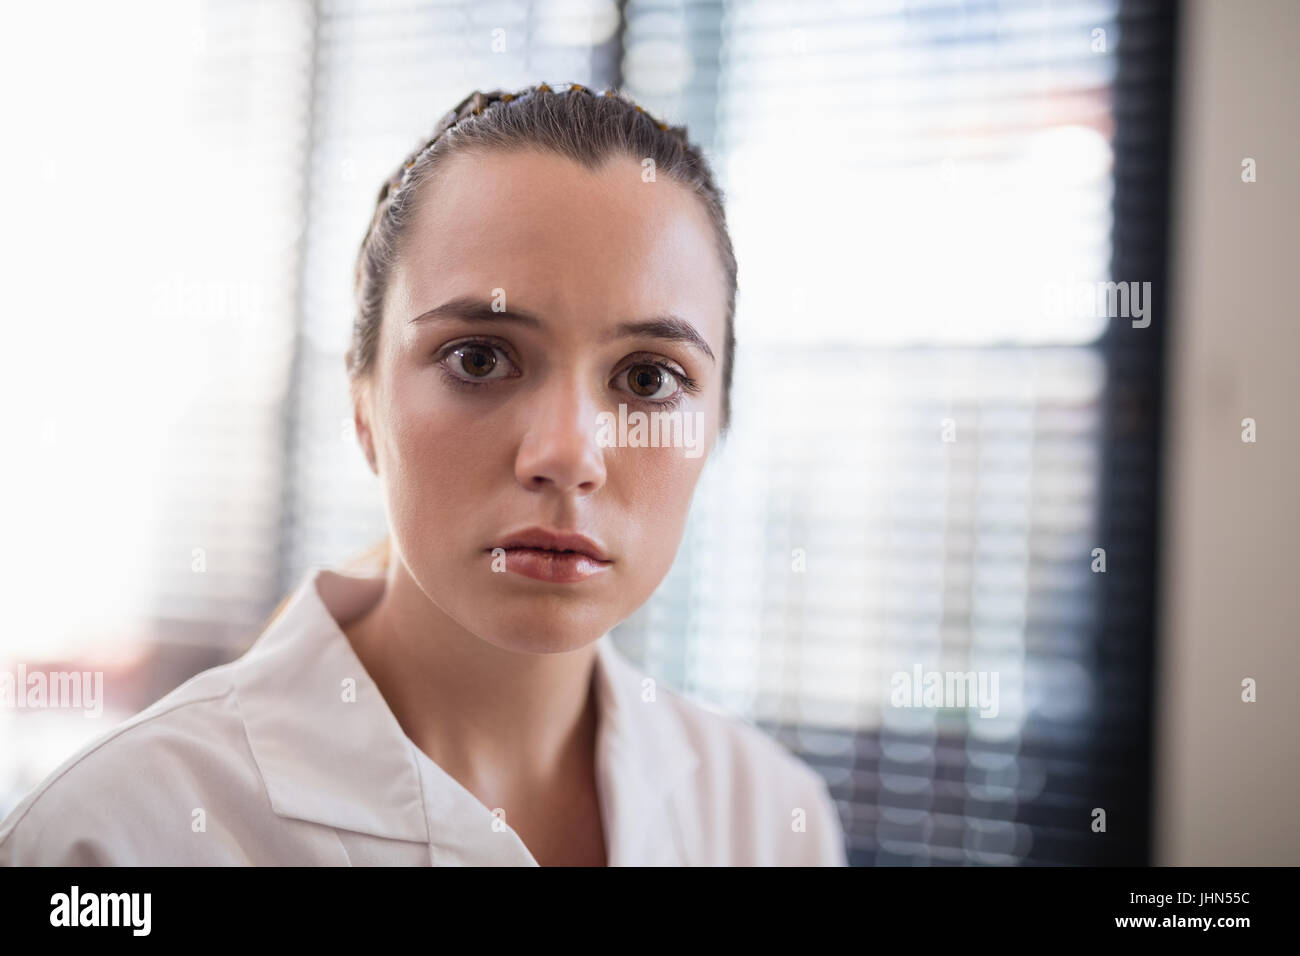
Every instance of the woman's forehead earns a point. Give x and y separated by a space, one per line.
559 238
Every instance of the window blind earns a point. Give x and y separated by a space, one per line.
926 449
153 215
910 184
925 452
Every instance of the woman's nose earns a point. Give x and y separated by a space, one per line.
559 448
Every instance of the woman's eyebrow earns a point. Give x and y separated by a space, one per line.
475 309
668 327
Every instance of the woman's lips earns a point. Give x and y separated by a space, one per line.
556 567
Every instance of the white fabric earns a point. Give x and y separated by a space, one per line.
285 772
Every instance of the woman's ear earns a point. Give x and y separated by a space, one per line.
361 419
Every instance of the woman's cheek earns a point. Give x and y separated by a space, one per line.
659 483
438 452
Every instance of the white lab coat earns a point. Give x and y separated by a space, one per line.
262 762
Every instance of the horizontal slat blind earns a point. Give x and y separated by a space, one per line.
152 215
910 185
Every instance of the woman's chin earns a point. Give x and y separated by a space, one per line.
537 636
528 624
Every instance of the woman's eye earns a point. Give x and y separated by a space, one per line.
651 382
478 363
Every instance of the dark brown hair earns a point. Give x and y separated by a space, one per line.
572 121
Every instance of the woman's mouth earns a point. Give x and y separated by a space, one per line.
558 567
557 557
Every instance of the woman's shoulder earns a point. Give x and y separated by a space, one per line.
732 745
780 811
745 782
179 782
116 797
720 741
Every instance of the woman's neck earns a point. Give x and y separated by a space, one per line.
508 726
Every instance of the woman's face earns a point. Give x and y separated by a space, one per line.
532 298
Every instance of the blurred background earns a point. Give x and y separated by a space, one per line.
927 451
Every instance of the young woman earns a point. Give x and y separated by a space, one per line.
540 364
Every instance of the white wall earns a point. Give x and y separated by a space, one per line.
1227 772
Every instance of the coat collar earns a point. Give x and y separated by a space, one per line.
333 753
